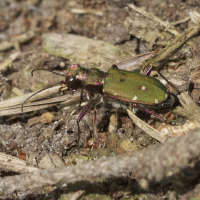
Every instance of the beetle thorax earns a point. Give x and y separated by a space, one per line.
94 77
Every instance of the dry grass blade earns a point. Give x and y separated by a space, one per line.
13 105
167 130
189 108
167 25
19 100
11 163
21 39
175 44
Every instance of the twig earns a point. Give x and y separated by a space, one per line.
189 108
21 39
180 21
13 105
153 163
9 61
77 195
14 164
7 166
19 100
17 91
167 25
29 109
87 11
175 44
8 109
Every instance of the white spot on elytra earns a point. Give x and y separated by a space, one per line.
116 94
166 95
156 100
143 88
134 98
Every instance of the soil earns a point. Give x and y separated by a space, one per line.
49 138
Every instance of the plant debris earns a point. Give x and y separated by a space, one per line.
44 153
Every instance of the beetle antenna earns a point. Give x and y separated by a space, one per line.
173 86
48 71
49 86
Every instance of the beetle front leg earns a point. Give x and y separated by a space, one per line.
81 98
114 66
83 113
94 132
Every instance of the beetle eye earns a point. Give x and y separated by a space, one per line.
72 83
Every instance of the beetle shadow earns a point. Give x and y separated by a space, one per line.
143 115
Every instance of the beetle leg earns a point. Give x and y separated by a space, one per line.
114 66
148 71
85 109
156 115
79 106
95 129
95 132
83 113
81 98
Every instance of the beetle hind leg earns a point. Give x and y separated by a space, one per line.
173 122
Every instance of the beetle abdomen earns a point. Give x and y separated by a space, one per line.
132 87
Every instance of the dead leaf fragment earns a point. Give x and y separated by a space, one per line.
146 27
17 91
195 17
21 154
47 118
177 131
88 53
189 108
127 146
46 162
44 118
57 161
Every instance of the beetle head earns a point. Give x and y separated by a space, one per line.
69 83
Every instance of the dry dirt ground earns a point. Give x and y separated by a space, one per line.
47 137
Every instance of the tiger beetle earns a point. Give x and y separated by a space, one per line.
117 87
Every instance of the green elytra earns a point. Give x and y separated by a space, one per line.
134 87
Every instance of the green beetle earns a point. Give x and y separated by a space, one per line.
133 87
142 91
